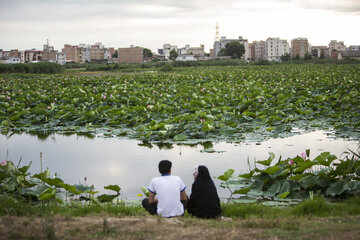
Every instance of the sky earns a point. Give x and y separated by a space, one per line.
27 24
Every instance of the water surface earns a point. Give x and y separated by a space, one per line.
107 161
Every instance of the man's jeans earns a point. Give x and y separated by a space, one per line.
152 208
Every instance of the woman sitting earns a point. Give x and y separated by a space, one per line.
204 201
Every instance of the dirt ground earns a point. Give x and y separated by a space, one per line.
149 227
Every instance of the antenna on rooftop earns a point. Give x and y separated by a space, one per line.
217 36
47 49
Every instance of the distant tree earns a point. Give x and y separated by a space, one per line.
322 54
234 49
173 55
115 54
297 57
307 56
221 52
147 53
285 57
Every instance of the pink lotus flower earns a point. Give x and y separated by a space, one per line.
3 163
260 100
202 120
202 89
303 155
291 162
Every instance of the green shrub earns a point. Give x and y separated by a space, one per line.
43 67
166 68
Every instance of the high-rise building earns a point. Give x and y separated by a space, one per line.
299 47
274 48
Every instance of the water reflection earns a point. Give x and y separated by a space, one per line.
131 164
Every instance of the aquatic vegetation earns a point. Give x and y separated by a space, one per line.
16 184
190 106
290 180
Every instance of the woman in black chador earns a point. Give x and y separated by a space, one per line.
204 201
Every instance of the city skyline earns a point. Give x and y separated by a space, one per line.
27 24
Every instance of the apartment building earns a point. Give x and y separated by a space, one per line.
346 54
220 44
130 55
97 55
188 53
252 51
320 51
334 46
33 55
167 48
49 54
354 48
10 60
196 51
74 54
86 51
257 50
108 53
299 47
60 58
274 48
97 52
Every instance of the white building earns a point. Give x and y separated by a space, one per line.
86 48
186 57
354 48
275 48
12 60
61 58
218 45
167 48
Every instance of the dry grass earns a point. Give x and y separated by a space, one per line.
149 227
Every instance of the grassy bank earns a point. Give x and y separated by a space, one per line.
309 208
312 219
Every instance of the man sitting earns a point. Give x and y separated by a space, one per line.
170 190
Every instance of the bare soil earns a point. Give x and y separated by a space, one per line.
149 227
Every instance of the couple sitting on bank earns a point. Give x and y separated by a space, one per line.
171 199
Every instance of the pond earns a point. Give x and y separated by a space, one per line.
129 164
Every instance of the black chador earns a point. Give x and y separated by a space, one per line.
204 201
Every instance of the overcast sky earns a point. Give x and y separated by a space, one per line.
26 24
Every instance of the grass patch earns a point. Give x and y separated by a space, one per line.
21 208
318 207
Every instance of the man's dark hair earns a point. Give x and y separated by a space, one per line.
164 166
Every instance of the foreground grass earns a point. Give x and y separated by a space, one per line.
314 208
310 219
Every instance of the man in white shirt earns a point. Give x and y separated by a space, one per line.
170 190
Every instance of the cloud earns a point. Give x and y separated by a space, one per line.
342 6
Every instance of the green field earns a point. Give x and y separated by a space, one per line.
188 105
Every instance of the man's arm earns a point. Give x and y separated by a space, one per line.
152 198
183 196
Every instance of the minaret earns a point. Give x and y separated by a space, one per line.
217 37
